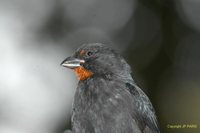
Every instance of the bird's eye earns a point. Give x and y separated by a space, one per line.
89 53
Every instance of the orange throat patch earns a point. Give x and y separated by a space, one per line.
83 73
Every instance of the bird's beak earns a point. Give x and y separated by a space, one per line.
72 62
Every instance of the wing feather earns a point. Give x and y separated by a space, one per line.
144 111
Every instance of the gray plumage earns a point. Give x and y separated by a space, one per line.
110 101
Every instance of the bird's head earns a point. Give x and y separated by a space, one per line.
96 59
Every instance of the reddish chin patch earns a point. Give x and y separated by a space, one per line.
82 52
83 73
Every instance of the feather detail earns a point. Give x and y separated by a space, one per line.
83 73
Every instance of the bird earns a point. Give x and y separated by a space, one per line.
107 99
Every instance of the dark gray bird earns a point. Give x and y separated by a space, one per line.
107 99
